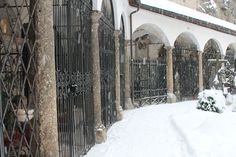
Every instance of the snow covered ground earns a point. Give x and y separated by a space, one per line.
170 130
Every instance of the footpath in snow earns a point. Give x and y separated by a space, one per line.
170 130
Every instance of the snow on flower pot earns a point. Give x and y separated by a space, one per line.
22 116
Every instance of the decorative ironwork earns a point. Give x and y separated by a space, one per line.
122 64
149 81
107 60
18 107
185 72
74 85
230 57
210 68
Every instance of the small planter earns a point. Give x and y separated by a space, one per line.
22 116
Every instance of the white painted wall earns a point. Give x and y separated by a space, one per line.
172 28
168 28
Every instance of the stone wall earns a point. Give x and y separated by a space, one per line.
225 11
193 4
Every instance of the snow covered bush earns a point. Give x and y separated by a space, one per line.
211 100
207 104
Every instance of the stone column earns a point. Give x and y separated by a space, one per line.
100 130
117 75
128 102
200 71
45 79
171 98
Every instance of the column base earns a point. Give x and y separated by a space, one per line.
200 89
100 134
119 115
128 104
171 98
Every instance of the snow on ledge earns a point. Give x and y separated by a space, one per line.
173 7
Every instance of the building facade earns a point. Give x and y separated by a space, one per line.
70 67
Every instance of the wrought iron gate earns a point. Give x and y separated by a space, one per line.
107 63
230 57
18 107
210 68
185 63
149 81
122 64
72 47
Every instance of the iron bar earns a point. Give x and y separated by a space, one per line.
1 126
107 59
150 81
76 117
186 72
122 64
131 48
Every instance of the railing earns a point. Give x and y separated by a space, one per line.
149 78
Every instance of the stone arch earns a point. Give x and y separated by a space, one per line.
126 24
185 71
116 12
215 45
151 35
97 4
149 63
150 28
187 40
212 54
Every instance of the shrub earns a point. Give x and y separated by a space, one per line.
207 104
211 100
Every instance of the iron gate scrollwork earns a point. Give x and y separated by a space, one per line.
149 81
107 63
18 107
72 26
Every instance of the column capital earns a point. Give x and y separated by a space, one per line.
96 15
127 42
117 33
199 52
169 48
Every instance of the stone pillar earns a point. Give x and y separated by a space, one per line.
45 79
128 102
200 71
100 130
171 98
117 75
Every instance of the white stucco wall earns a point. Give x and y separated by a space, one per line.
172 28
169 28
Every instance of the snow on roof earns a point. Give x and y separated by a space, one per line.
173 7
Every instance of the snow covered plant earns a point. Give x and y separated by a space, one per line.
211 100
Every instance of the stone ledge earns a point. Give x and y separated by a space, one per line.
187 19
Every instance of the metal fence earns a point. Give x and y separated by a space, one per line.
210 68
186 72
107 60
72 26
18 108
149 80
